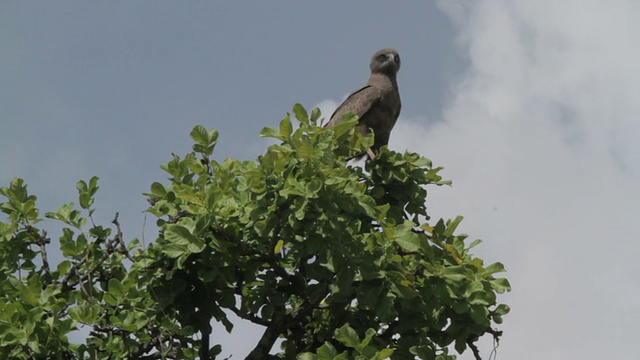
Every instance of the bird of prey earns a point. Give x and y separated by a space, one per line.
377 104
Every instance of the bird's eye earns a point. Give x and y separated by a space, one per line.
382 57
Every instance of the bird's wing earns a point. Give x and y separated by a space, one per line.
359 103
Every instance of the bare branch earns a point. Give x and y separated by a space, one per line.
474 349
43 240
254 319
120 239
269 337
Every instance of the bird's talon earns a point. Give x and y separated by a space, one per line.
371 154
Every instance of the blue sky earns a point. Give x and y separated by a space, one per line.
112 89
531 107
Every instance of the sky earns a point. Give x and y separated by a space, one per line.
531 107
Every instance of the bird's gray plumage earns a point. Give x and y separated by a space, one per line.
377 104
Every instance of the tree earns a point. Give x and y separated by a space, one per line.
338 261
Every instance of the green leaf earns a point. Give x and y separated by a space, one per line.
440 227
454 273
115 288
200 135
86 192
473 288
82 186
213 136
368 204
72 248
84 313
480 315
348 336
182 241
474 243
285 128
494 268
502 309
278 248
301 114
500 285
326 352
315 115
85 201
452 226
409 240
423 352
158 189
303 147
313 187
349 120
384 354
179 234
93 184
307 356
64 267
174 250
401 285
134 243
368 335
271 133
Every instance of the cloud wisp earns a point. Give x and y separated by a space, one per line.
539 140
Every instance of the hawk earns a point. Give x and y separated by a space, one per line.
377 104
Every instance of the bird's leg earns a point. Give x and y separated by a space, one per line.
372 156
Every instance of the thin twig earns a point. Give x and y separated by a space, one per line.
42 243
74 271
254 319
121 240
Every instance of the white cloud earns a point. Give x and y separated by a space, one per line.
540 142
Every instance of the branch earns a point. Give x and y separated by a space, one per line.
269 337
474 349
66 285
204 344
496 333
42 243
254 319
270 259
120 239
157 341
406 253
110 247
471 341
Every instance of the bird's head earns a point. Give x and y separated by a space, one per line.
385 61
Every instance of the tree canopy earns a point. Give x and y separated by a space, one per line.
337 261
